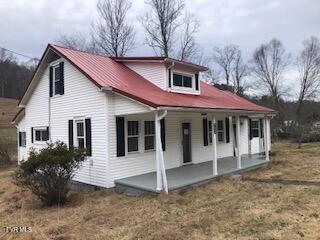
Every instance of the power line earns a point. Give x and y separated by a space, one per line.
19 54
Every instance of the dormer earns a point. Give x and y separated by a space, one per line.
168 74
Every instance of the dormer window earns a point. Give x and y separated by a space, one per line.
180 80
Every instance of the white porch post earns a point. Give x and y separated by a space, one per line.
238 142
160 171
266 138
214 147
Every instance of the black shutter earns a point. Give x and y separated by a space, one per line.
261 127
61 78
197 81
88 137
48 132
51 81
169 71
163 134
120 136
227 130
250 129
20 140
32 135
70 128
205 131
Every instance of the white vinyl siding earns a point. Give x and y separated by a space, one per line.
82 99
153 72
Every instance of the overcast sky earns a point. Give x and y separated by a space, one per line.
28 26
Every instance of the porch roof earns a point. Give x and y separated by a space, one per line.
181 177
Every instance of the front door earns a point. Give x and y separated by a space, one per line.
234 139
186 142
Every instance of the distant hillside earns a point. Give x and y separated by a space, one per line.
8 109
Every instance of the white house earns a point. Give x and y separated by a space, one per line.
145 121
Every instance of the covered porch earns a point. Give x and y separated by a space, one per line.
167 149
193 174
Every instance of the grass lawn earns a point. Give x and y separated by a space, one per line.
224 209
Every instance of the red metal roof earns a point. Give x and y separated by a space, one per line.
106 72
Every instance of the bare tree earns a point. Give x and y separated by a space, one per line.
225 57
111 33
268 64
309 77
161 22
77 40
188 45
240 72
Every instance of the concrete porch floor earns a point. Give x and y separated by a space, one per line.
181 177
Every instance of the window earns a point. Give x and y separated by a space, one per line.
149 138
180 80
41 135
57 79
133 136
220 131
210 131
22 139
255 128
80 135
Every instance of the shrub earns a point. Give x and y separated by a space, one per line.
47 172
311 137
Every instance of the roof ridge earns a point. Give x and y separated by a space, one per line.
78 50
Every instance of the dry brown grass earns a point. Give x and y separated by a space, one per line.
224 209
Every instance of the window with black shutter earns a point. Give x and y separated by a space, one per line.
57 79
255 128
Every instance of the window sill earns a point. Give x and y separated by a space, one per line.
149 150
56 96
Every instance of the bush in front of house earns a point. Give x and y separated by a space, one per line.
47 172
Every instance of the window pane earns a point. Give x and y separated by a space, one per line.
81 142
38 135
57 73
177 80
149 142
255 124
220 125
23 139
133 144
187 81
44 135
210 126
57 87
255 132
80 129
149 127
133 128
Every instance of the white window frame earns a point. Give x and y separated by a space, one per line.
149 135
75 130
54 67
131 136
223 131
34 135
188 90
257 128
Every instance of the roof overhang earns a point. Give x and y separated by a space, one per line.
161 60
218 110
17 118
